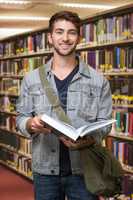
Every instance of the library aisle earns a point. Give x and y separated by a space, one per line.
14 186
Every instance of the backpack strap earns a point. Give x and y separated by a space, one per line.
52 97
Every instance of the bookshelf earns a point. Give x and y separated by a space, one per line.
106 44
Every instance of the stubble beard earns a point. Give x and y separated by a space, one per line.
67 53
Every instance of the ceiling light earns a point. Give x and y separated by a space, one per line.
13 29
79 5
6 32
28 18
14 2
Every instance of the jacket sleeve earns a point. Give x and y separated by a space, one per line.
24 107
105 110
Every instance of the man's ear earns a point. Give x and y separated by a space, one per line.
49 38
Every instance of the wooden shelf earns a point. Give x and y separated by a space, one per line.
11 76
80 47
8 94
8 112
35 54
128 169
121 136
119 73
7 164
8 147
13 132
123 106
86 46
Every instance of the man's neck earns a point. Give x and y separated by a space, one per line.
62 66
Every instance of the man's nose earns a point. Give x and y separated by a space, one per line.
65 36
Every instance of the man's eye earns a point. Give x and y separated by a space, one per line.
59 32
73 33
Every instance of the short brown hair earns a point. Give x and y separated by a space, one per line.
66 15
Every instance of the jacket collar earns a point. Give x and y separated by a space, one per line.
83 69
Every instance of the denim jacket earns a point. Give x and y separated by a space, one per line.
88 99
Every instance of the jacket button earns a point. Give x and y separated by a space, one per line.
53 150
52 171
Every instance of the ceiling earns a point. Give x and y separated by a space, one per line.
44 8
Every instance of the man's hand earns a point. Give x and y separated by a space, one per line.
80 143
35 125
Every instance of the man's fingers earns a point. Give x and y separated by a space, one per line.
67 142
77 144
41 130
46 130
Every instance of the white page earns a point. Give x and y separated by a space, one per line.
93 124
64 128
70 131
81 129
96 126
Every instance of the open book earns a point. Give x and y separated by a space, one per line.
72 132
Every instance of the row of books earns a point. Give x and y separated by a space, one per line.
24 145
10 85
127 192
13 141
112 59
124 123
20 163
123 151
122 85
128 185
9 139
20 66
8 122
23 45
120 100
24 165
102 31
107 30
8 104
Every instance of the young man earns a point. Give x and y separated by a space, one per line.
84 95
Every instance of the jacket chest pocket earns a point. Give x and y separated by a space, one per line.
89 103
40 101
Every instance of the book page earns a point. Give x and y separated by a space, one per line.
96 125
93 124
60 126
